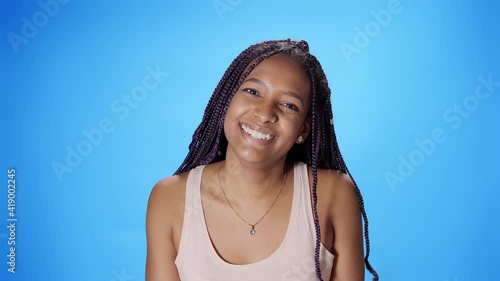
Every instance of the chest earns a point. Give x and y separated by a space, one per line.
227 228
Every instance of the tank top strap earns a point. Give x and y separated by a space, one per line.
303 193
193 195
193 212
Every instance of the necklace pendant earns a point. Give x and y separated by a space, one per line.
252 231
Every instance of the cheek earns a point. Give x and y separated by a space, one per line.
237 107
290 129
231 119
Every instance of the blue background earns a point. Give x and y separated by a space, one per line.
437 222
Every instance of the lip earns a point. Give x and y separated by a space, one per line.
257 128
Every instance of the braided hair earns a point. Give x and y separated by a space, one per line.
319 150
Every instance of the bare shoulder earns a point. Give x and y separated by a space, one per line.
164 220
337 197
335 186
169 189
167 197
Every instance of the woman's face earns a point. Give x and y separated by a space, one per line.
268 112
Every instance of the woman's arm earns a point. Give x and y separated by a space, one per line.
161 251
345 217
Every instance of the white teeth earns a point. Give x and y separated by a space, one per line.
255 134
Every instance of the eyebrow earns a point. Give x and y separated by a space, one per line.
288 93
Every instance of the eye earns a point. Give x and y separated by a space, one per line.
251 91
291 106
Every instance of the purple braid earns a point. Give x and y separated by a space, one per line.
319 150
314 165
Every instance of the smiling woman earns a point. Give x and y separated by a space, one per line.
271 194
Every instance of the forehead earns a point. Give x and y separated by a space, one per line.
283 71
282 62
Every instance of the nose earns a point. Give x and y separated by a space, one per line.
265 112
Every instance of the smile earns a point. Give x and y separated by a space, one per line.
256 134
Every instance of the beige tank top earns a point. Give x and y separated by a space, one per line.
197 260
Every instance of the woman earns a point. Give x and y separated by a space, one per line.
263 193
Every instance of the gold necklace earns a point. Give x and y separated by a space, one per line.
252 231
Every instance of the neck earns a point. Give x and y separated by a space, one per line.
252 181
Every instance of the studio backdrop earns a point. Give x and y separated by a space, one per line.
100 100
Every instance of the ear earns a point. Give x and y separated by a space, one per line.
304 131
